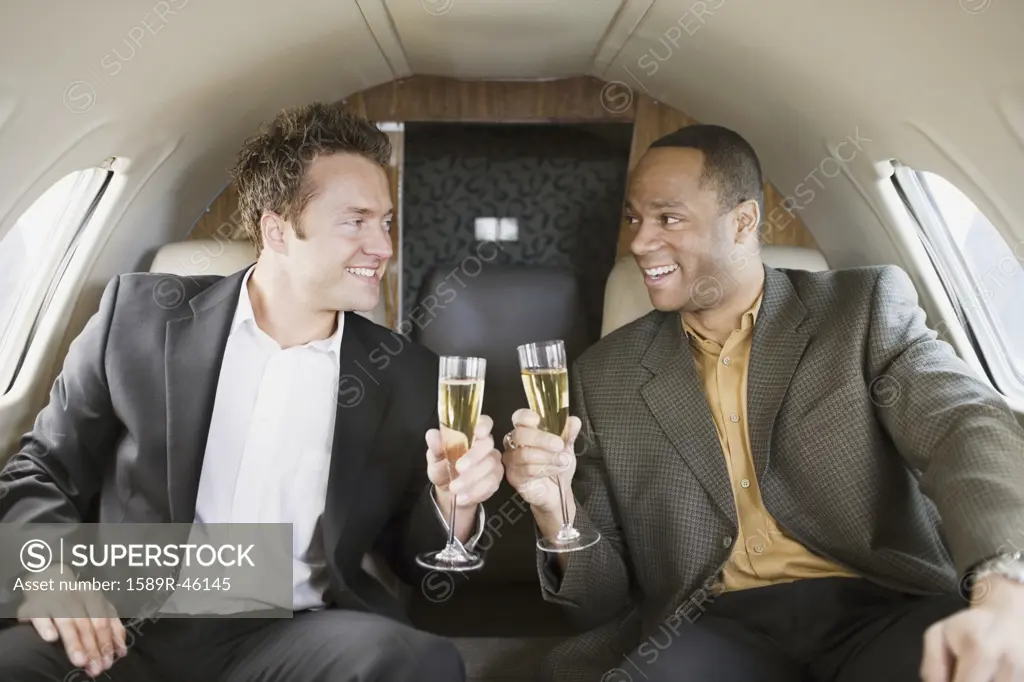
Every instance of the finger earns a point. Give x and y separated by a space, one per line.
46 629
87 636
484 425
435 452
104 634
120 637
937 661
72 642
525 436
525 417
522 456
527 472
480 451
479 483
481 491
486 469
573 431
103 617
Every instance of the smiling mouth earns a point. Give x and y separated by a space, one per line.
660 272
365 273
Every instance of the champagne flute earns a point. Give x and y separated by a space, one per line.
546 382
460 395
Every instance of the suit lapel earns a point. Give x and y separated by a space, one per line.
192 358
362 400
777 346
676 399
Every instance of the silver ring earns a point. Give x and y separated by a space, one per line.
508 442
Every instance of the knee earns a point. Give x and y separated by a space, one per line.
431 658
401 655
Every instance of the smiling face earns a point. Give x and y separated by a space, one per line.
338 249
684 240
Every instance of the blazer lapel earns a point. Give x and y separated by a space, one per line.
676 399
192 358
362 400
777 346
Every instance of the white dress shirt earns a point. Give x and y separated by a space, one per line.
268 452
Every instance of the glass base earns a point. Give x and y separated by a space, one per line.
450 559
568 540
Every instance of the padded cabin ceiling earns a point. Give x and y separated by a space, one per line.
174 86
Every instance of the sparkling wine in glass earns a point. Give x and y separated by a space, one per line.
546 382
460 395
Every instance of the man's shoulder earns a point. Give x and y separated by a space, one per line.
830 292
391 352
624 345
164 291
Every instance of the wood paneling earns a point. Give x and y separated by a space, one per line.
653 120
433 98
221 220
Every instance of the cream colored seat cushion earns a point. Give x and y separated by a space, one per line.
195 257
625 295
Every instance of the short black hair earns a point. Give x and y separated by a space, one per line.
730 162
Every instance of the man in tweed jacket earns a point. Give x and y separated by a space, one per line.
792 477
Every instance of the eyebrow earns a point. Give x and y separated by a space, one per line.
359 210
667 203
659 204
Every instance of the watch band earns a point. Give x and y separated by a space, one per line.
1009 566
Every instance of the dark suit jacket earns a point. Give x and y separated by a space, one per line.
874 445
123 436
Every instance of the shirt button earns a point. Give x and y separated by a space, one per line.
734 418
725 360
745 483
726 541
758 549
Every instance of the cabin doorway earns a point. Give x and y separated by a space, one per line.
547 195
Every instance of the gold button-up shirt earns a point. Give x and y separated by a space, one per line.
763 554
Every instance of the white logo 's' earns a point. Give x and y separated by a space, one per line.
36 556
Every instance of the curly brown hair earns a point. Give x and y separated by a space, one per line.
270 174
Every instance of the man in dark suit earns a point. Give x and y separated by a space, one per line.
790 473
253 398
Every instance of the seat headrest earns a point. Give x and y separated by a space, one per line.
196 257
626 299
223 257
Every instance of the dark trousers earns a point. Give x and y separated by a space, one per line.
318 646
822 630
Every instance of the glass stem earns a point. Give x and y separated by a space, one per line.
565 506
451 512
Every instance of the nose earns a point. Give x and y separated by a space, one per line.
379 245
645 241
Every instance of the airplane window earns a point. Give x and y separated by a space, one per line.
32 253
981 267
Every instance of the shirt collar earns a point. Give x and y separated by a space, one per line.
748 319
244 313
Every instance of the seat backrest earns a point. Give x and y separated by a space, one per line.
625 295
501 308
196 257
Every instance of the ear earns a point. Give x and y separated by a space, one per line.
273 228
748 217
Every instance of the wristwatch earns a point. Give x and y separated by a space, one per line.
1009 566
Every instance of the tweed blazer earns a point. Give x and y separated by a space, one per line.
874 446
